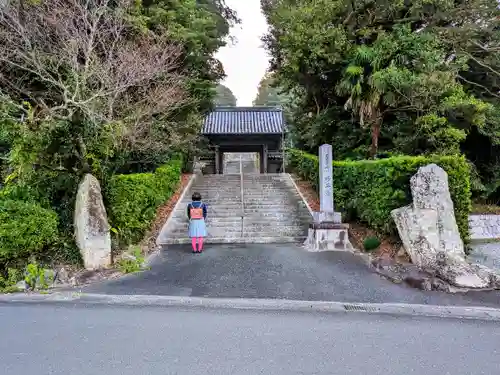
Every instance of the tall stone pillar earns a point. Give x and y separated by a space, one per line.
327 231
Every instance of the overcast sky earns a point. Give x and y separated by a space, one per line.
246 61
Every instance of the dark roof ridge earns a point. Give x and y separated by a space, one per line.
244 120
247 109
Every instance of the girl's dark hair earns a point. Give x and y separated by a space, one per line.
196 197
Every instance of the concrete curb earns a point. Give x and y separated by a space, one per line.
457 312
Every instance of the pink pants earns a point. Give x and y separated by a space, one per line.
198 240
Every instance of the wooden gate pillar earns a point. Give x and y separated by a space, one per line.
217 160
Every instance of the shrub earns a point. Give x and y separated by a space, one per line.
134 262
133 199
26 229
369 190
371 243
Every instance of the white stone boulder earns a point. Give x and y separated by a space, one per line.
430 190
419 234
92 231
429 231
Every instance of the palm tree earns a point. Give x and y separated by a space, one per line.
364 97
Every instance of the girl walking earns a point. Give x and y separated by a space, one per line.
197 213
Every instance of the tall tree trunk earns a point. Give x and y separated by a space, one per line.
375 130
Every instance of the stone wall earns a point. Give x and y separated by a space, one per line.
484 227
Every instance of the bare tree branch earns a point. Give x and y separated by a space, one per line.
82 57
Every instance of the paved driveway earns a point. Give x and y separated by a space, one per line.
283 271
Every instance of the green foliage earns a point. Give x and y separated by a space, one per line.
397 77
61 121
201 26
8 283
133 263
26 229
371 243
268 94
369 190
132 200
224 97
36 277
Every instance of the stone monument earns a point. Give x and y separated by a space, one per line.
430 235
327 231
92 232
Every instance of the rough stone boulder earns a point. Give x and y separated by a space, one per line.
430 190
92 231
430 235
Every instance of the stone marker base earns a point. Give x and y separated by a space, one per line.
328 217
328 236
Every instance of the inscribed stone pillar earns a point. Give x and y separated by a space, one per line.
325 179
327 232
327 212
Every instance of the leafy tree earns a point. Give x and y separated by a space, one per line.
104 86
396 69
201 27
268 94
225 97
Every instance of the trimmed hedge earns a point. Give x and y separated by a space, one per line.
26 229
369 190
132 200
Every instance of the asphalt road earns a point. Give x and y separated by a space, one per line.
99 340
275 271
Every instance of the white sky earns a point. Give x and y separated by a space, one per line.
245 61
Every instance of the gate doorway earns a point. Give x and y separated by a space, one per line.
241 162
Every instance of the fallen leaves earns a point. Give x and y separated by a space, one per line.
308 192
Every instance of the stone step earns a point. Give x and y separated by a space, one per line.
265 205
257 203
220 179
221 220
216 191
236 240
236 226
246 197
253 207
251 203
249 215
221 232
272 210
248 227
252 215
254 219
237 183
228 186
246 192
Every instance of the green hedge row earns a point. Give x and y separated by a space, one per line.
369 190
132 200
26 229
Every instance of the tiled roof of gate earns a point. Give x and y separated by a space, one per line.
244 120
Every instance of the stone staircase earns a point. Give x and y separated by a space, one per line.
272 210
